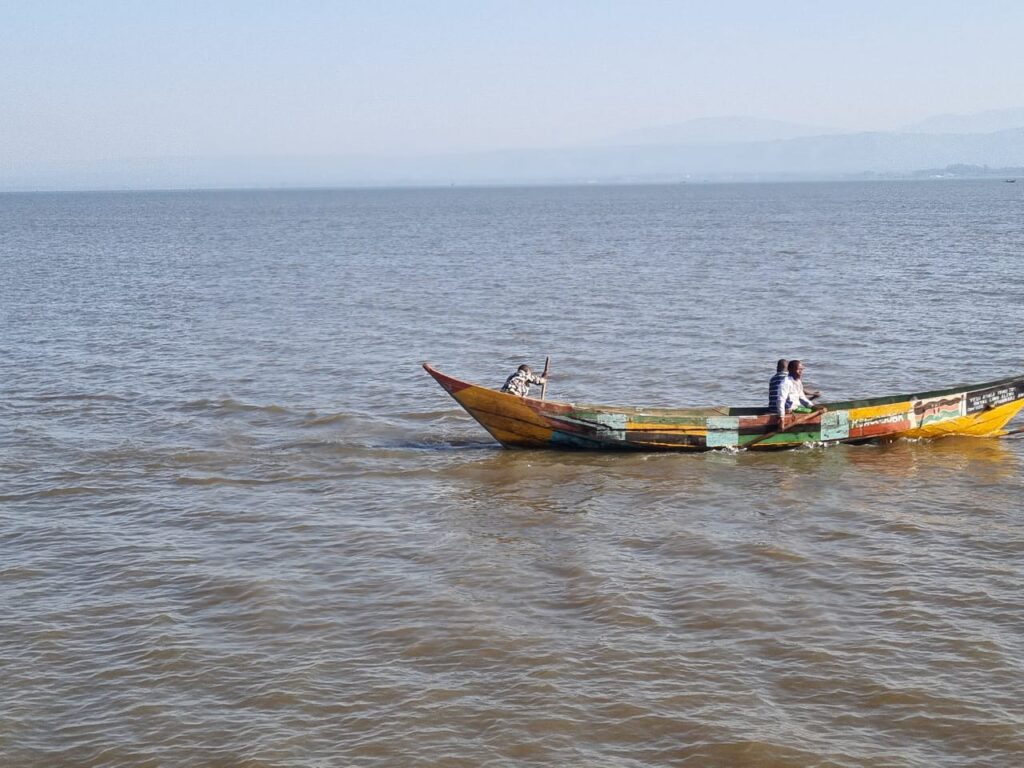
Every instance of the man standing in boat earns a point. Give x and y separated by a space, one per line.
519 382
792 398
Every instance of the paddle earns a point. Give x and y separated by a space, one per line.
798 420
544 386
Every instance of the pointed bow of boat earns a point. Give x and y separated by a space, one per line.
513 421
450 385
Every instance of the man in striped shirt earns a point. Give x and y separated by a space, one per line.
775 384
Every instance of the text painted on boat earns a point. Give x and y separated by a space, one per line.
985 399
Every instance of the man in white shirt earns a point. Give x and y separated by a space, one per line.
792 398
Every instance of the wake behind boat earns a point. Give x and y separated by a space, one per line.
979 410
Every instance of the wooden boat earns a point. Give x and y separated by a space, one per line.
979 410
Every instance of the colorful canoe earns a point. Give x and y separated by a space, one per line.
980 410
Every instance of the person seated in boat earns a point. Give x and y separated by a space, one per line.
792 398
519 382
775 384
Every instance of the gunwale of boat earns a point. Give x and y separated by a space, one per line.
725 410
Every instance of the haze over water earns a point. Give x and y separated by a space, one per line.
240 526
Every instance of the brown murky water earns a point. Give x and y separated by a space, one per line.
240 527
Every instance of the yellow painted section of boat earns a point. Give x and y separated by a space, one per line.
988 423
506 417
872 412
667 429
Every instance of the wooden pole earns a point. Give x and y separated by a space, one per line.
544 386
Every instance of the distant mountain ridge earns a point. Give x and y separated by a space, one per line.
990 121
704 156
834 156
718 130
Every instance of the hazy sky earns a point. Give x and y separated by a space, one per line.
88 80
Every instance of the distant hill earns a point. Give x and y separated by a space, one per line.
818 156
717 130
980 122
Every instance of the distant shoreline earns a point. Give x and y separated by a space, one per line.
960 173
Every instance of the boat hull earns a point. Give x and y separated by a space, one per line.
981 410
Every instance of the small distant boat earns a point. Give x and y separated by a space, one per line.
977 410
1010 181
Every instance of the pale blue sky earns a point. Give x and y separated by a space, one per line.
93 80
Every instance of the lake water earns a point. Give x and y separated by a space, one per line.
240 526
